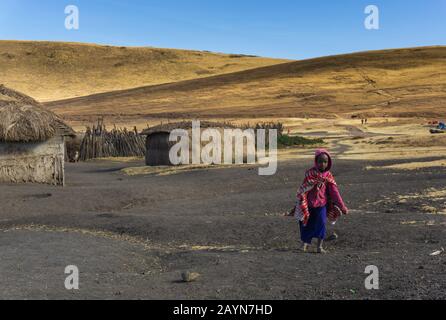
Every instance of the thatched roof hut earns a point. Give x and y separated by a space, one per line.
32 140
185 125
23 119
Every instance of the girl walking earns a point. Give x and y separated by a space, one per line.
318 200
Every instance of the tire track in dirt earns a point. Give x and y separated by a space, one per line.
145 243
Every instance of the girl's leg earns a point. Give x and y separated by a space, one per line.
334 236
320 248
322 226
332 231
305 237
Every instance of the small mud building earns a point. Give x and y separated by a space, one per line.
32 141
157 142
158 145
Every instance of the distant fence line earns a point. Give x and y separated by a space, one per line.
100 143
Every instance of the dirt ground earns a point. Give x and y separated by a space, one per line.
132 236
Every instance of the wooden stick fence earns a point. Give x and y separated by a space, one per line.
100 143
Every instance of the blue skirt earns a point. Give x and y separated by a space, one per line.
316 226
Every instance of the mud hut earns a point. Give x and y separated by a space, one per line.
32 141
158 144
157 139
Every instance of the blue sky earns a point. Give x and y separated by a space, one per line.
295 29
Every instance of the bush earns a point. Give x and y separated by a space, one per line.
289 141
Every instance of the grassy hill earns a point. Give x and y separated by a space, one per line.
404 82
53 71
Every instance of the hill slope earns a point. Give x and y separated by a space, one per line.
403 82
52 70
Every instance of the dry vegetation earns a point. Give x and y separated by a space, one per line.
399 83
411 165
53 71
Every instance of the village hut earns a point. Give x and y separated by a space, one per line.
157 139
32 141
157 142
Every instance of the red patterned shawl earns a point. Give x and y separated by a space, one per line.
315 179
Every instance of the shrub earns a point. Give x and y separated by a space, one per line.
289 141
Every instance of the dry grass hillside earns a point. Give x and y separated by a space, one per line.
400 83
53 71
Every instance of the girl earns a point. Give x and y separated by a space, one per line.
318 199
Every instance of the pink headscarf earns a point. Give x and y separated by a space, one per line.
320 152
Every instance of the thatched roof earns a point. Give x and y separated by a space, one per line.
185 125
23 119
